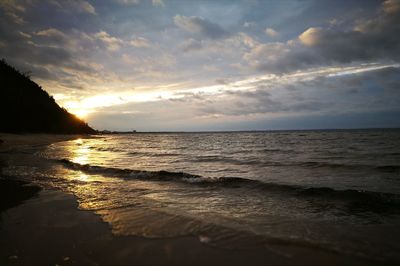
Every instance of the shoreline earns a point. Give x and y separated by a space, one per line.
71 236
46 227
11 141
49 229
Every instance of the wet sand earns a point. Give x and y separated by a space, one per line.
10 141
45 227
49 229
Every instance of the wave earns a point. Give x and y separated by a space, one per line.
375 201
220 159
234 160
128 173
152 154
305 164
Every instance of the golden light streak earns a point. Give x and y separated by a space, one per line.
82 108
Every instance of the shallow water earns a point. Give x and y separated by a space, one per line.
330 190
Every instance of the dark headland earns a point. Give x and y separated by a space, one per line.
26 108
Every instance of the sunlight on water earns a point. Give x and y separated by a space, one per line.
80 154
83 177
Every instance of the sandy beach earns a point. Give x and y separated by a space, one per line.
49 229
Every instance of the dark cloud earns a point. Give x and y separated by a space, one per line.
18 48
79 6
44 53
191 45
242 103
375 39
201 26
37 58
222 81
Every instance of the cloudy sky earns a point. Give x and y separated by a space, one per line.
155 65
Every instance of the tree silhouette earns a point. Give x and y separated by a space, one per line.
26 108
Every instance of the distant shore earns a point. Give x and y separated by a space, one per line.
46 227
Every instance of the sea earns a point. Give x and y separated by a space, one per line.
329 190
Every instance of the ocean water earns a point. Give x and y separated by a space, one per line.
337 191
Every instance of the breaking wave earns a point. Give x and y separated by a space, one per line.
370 199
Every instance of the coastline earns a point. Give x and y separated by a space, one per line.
11 141
45 227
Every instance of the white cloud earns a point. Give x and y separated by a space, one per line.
50 33
25 35
311 36
271 32
247 40
249 24
158 3
140 42
86 7
112 43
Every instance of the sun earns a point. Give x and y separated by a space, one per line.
81 113
77 109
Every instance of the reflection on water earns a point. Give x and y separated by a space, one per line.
83 177
81 156
250 188
79 152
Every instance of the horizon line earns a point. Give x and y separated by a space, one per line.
247 130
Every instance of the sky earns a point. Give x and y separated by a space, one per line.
175 65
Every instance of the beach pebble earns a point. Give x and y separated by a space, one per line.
66 259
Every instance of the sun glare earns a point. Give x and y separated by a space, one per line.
81 113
